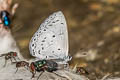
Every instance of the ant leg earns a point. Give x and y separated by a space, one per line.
11 60
40 75
5 63
15 59
26 67
16 70
33 74
1 55
18 57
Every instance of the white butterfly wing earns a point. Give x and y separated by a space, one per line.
51 39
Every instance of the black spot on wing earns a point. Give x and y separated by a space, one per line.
58 48
53 36
50 25
34 39
51 40
44 29
32 45
57 20
43 40
38 51
45 37
33 52
53 22
42 48
62 23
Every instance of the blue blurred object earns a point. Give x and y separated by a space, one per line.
5 18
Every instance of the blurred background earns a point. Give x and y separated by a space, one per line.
93 26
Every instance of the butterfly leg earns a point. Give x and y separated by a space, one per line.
40 75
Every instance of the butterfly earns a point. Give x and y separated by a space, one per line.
50 41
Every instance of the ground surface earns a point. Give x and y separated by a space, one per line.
94 25
9 72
